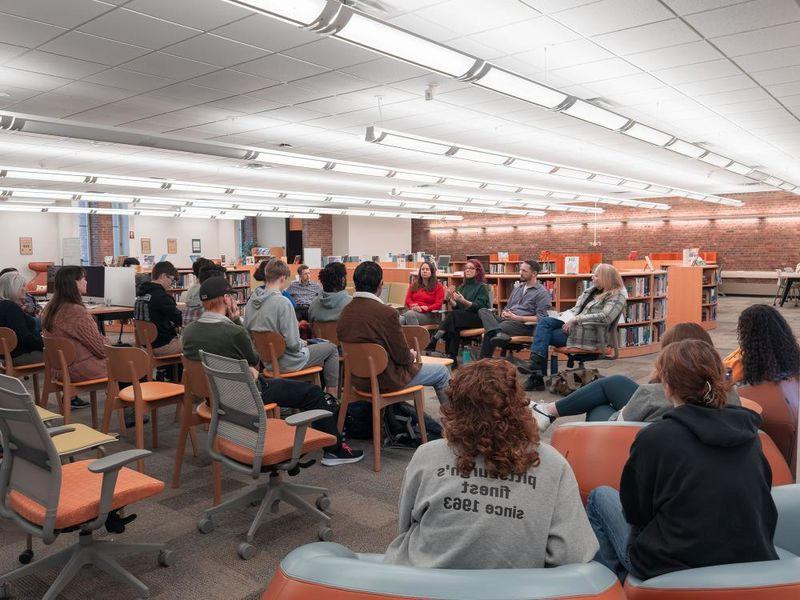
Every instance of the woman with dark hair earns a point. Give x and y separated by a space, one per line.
490 495
674 509
768 349
618 398
334 297
65 316
424 297
464 303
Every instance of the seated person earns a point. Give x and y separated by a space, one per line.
258 275
529 301
584 326
30 305
139 278
303 291
218 331
487 497
618 398
65 316
29 340
156 305
674 508
768 349
194 308
464 304
334 297
268 310
424 298
368 320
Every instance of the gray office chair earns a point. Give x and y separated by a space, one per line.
45 498
242 438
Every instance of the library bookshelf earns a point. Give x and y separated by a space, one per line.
238 277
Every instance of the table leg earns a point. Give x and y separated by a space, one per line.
786 291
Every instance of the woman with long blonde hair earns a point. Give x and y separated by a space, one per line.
585 326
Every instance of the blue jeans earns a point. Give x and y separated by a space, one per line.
548 333
599 399
435 376
612 530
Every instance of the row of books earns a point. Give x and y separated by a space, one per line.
637 286
239 278
658 330
637 311
660 285
709 295
709 313
660 309
550 286
495 268
242 294
634 336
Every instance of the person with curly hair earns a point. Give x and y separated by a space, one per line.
768 349
490 495
334 297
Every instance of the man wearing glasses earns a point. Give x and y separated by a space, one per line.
155 304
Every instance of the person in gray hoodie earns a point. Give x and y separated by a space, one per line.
329 304
490 495
268 310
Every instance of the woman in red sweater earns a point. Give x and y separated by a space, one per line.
424 298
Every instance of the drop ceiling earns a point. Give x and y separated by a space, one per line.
724 73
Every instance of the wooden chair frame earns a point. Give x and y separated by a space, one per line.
59 354
144 334
8 343
270 347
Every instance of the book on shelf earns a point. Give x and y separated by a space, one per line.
548 266
572 264
239 278
660 309
709 313
582 286
637 286
503 268
660 285
550 286
709 295
630 337
637 312
658 330
502 256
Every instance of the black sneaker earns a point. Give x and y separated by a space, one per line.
130 417
78 403
534 383
343 455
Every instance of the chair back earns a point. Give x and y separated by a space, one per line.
195 382
778 415
8 341
237 410
397 292
417 338
31 466
59 353
144 334
363 360
326 330
270 347
126 364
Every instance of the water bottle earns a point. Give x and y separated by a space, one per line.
465 356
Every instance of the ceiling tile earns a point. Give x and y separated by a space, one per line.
7 51
135 28
697 72
785 89
285 94
731 110
333 83
770 38
54 64
194 94
385 70
760 61
745 17
294 114
554 6
65 14
15 94
567 54
245 104
675 56
233 81
471 16
129 80
24 32
523 36
200 15
30 80
647 37
612 15
597 71
280 68
264 32
129 109
714 86
90 47
428 28
687 7
215 50
165 65
332 53
776 76
722 99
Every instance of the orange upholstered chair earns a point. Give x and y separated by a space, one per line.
46 499
332 572
779 404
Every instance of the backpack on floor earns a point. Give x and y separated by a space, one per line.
400 425
567 381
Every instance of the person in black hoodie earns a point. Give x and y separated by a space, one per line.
674 509
155 304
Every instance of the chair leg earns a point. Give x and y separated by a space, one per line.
93 404
181 449
67 574
419 403
154 425
36 391
118 572
376 437
139 417
193 440
66 403
110 404
216 477
343 409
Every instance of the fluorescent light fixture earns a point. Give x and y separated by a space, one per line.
499 187
304 196
417 205
256 193
463 182
27 193
686 149
787 186
42 175
519 87
360 170
607 179
20 208
137 183
203 189
659 189
634 203
297 12
292 161
420 177
739 168
417 195
376 35
480 156
483 202
595 115
336 200
635 185
773 181
38 201
563 196
716 160
530 165
405 141
572 173
648 134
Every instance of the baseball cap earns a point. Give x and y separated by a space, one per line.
215 287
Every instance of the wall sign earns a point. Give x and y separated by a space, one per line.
196 246
146 249
25 245
172 246
130 235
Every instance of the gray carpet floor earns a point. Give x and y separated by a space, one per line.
364 508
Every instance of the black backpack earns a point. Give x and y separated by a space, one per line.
400 425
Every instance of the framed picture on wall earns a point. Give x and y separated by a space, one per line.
172 246
146 248
196 246
25 245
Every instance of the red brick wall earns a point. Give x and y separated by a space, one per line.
754 244
318 233
250 229
101 238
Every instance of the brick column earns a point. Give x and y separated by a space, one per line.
249 230
101 238
318 233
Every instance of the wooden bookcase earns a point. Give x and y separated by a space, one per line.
239 277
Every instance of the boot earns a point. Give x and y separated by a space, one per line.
534 383
536 364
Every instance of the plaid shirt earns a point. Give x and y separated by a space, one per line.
594 315
303 294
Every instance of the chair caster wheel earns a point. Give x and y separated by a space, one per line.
323 503
325 534
276 506
205 525
26 557
5 592
166 558
246 551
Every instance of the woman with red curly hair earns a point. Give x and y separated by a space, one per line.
463 303
490 495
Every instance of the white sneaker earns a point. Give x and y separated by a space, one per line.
543 418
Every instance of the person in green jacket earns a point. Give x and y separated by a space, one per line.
463 303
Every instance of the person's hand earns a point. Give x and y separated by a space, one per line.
254 373
458 297
416 308
234 312
413 354
568 325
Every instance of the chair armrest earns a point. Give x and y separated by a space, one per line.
114 462
59 429
307 417
302 421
